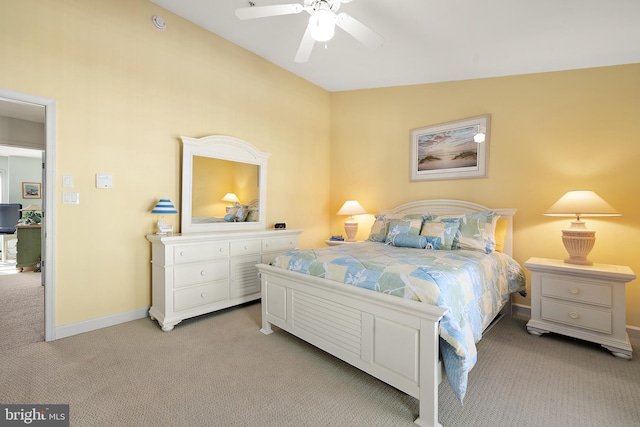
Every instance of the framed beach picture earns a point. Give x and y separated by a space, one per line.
453 150
31 190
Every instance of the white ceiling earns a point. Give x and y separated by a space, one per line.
429 41
23 111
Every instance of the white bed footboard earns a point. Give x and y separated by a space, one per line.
390 338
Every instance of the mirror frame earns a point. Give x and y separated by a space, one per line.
224 148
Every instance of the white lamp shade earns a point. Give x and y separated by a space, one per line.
32 207
351 207
163 207
231 198
581 203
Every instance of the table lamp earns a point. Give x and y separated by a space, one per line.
164 207
577 239
351 208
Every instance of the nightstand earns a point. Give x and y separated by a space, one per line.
585 302
339 242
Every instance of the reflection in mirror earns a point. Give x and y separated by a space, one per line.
222 167
215 178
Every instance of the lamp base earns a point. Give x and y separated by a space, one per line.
351 229
578 243
163 228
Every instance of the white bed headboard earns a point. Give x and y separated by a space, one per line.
445 206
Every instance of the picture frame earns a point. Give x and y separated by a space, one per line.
31 190
450 151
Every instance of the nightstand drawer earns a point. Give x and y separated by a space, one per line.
576 315
200 295
193 274
576 290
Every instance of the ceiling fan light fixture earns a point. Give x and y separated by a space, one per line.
322 25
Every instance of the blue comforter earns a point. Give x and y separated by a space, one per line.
471 285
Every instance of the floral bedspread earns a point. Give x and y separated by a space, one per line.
471 285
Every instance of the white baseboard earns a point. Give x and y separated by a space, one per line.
525 310
99 323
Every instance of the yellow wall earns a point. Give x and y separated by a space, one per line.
125 93
550 133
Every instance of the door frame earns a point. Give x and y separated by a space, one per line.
49 207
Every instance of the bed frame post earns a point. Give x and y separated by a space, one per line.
429 370
266 326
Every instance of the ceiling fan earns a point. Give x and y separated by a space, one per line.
321 26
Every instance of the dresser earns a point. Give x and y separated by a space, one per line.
28 247
585 302
198 273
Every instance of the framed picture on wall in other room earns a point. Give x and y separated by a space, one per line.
31 190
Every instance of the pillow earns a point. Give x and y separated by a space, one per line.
241 214
451 219
440 234
378 231
231 213
403 240
253 215
477 231
380 226
403 226
501 233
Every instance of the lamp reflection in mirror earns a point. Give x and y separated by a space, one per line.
351 208
577 239
164 207
230 198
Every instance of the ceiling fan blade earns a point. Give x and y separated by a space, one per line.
359 31
265 11
306 46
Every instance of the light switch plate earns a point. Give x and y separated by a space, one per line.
67 181
70 198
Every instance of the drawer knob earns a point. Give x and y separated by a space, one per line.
181 253
203 272
574 290
574 315
203 295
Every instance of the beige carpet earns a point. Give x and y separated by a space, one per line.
21 309
219 370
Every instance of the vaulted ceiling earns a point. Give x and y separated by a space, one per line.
430 41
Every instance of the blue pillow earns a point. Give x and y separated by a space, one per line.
403 240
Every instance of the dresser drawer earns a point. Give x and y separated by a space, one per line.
200 251
280 244
576 290
576 315
193 274
245 247
200 295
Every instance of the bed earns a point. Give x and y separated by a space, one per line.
399 338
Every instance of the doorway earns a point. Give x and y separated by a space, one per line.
15 100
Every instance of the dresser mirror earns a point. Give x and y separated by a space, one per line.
221 167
